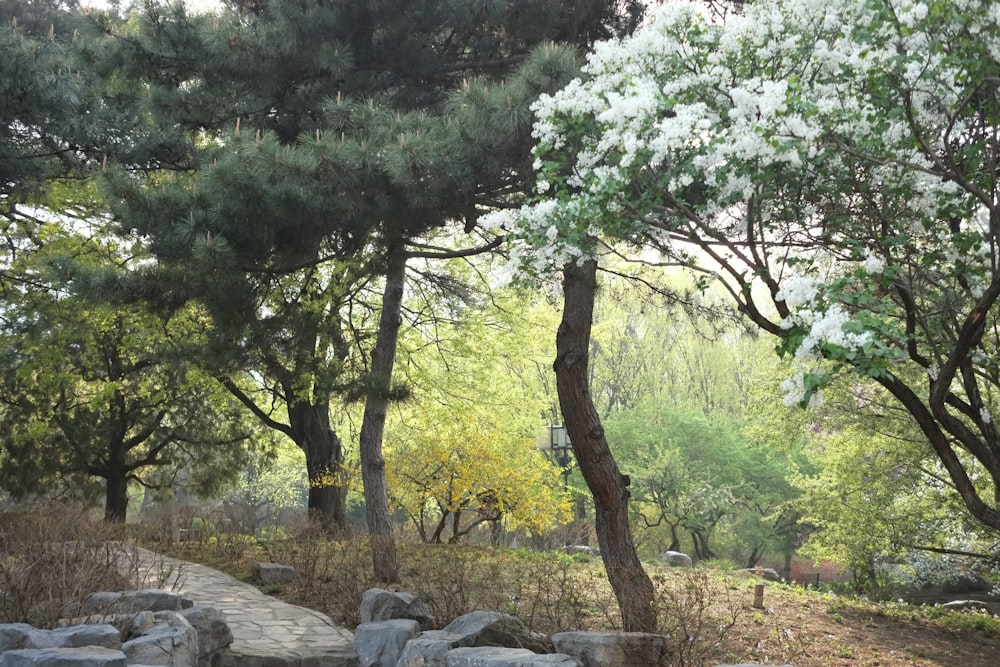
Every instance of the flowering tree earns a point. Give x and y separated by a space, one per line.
450 476
834 165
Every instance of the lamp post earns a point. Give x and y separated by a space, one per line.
557 441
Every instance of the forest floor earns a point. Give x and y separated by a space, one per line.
815 629
796 626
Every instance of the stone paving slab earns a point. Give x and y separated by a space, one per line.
267 632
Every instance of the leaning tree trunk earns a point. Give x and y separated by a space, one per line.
310 424
631 585
384 558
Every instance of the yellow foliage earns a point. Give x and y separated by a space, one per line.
328 478
468 465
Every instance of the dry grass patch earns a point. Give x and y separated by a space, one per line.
52 558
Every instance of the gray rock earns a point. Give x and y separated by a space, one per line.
141 622
381 605
172 641
210 625
495 656
274 573
124 622
63 657
130 602
487 628
613 649
429 649
75 636
768 573
675 559
381 643
14 635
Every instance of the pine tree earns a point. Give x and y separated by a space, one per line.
96 392
333 131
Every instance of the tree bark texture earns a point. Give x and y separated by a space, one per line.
310 425
384 557
632 586
116 490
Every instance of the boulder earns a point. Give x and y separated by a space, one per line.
171 641
14 635
768 573
274 573
130 602
380 644
675 559
76 636
141 622
969 605
494 656
63 657
488 628
429 648
130 624
613 649
213 632
381 605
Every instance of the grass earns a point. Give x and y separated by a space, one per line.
706 612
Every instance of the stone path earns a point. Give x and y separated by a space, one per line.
267 632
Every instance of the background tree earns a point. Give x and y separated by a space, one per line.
471 359
452 473
843 190
93 391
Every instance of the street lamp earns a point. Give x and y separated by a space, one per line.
557 441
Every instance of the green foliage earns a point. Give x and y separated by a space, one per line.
694 476
875 498
832 166
50 108
672 341
97 391
680 381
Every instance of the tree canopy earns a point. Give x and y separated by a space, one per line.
92 390
833 166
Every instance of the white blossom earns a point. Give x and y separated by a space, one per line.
798 291
874 264
794 389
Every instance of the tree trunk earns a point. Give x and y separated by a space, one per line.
310 424
632 587
384 557
115 475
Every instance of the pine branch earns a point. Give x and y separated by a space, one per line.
251 405
442 253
